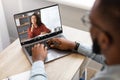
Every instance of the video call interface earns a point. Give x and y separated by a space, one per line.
37 23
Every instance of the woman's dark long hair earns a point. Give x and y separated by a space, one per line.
38 19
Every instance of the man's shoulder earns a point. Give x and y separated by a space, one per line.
102 75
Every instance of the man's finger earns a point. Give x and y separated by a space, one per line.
52 40
35 46
46 48
54 46
38 45
49 41
42 45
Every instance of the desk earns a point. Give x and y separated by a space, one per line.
13 59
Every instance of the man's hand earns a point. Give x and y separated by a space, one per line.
61 43
39 52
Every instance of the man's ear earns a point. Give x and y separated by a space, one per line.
103 41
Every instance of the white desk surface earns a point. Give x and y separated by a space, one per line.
78 35
14 61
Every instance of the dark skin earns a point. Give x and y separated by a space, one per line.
39 52
111 51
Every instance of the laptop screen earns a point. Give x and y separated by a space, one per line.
38 24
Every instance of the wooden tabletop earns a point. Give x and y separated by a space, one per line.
14 61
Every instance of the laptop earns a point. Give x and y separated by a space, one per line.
51 23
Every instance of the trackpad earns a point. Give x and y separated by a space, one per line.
54 54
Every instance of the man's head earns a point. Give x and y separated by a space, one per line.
105 29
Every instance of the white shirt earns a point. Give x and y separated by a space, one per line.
38 71
109 73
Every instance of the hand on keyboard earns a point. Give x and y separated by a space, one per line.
39 52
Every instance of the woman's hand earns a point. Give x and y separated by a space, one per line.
42 33
32 28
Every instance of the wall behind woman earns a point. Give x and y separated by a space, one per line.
4 37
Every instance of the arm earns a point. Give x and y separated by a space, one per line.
87 51
30 34
39 54
38 71
64 44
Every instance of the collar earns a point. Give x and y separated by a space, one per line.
112 69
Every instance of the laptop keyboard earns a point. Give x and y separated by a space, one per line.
28 48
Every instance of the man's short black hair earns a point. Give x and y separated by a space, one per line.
110 12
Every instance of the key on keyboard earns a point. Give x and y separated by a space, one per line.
28 48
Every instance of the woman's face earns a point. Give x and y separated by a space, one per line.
33 19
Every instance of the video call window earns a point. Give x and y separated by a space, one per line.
37 23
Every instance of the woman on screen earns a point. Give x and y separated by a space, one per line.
36 27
